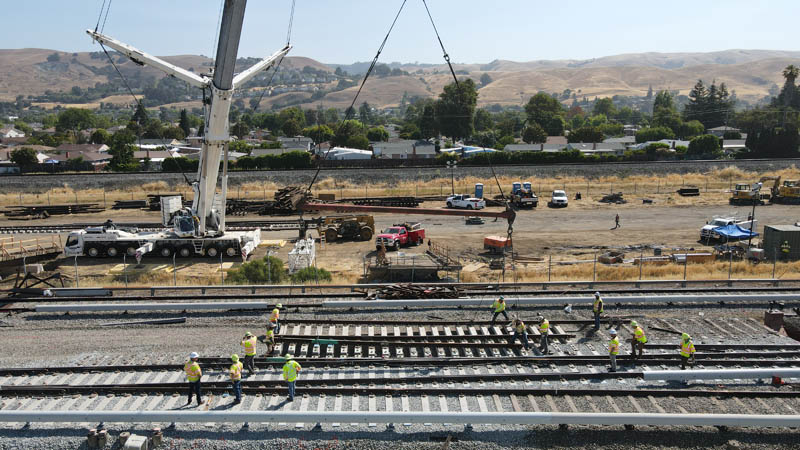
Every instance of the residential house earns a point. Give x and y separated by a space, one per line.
405 149
625 140
721 130
155 143
296 143
156 157
75 148
547 148
560 140
98 160
596 148
11 132
14 141
630 130
731 146
671 142
344 153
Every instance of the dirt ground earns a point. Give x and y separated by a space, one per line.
574 233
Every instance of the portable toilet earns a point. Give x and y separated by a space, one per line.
516 187
527 186
478 190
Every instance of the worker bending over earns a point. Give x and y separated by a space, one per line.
520 332
613 350
275 316
597 309
236 378
544 330
193 376
290 371
249 344
638 340
270 339
499 307
687 350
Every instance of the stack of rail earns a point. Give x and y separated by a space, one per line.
412 291
408 202
40 211
286 201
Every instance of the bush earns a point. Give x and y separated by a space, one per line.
259 271
312 274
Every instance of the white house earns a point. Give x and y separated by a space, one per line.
11 132
404 149
344 153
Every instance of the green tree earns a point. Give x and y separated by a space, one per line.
365 114
704 146
53 57
428 126
310 274
291 128
100 136
534 134
140 115
663 100
547 112
485 79
293 113
121 150
604 106
376 134
773 141
172 133
455 109
346 130
242 130
691 129
319 133
74 120
586 134
25 158
483 120
268 269
788 95
184 123
358 141
654 134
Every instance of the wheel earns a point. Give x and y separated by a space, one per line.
166 251
469 206
93 251
449 205
396 246
420 241
185 251
130 250
331 235
112 252
212 252
366 234
230 251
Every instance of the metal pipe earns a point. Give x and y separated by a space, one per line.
152 306
685 375
524 418
563 300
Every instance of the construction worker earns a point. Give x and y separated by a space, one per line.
249 344
544 330
597 309
613 350
687 350
520 332
275 316
270 339
785 249
193 376
499 307
638 340
236 378
616 222
290 371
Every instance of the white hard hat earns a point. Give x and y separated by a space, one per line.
289 356
193 355
597 294
612 332
279 305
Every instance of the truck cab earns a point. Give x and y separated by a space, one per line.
465 201
558 200
707 232
401 235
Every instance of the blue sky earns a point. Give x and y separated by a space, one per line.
473 31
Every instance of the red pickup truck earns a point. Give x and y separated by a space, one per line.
401 235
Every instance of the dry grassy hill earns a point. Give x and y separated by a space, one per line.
750 73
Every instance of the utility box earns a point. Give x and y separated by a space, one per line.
775 236
135 442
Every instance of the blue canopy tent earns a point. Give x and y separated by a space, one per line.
734 233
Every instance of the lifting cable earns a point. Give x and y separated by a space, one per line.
446 56
278 65
350 110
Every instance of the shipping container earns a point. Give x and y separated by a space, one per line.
774 238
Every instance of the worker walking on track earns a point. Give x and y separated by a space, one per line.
520 332
613 350
274 318
269 339
499 307
544 330
687 350
597 309
638 340
249 344
290 371
193 376
236 378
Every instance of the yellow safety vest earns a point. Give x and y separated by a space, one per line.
785 247
236 371
499 306
638 334
275 314
290 370
544 326
687 348
270 335
193 372
613 346
597 306
521 327
249 346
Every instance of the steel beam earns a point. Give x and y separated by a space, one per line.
524 418
686 375
152 306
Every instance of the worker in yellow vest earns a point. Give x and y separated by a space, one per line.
520 332
274 318
236 378
193 376
613 350
544 330
786 248
249 344
597 309
638 340
269 339
687 350
290 371
499 307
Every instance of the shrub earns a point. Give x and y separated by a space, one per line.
259 271
310 274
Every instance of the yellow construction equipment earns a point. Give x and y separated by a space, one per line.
787 193
746 194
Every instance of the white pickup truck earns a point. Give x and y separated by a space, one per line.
558 200
707 232
465 201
